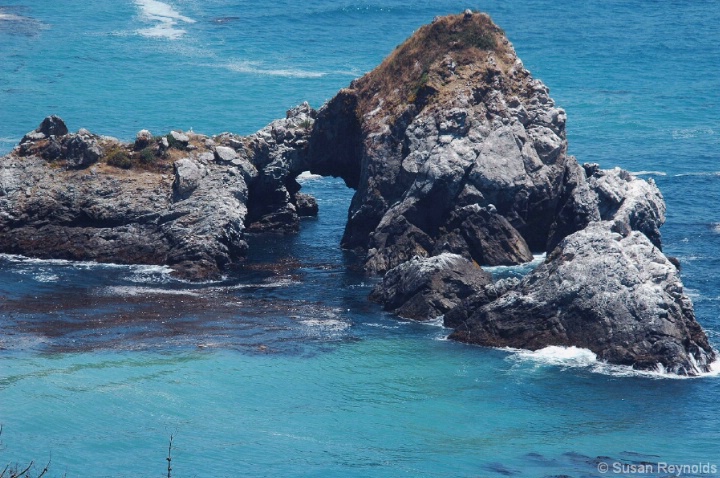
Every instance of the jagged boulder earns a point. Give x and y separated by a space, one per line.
50 126
426 288
613 293
630 202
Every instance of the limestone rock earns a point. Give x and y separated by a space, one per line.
188 174
614 294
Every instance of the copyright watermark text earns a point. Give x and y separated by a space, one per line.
672 469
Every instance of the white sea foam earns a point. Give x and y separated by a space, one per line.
86 265
165 17
258 68
716 227
576 357
306 176
648 173
699 173
46 277
560 356
519 269
328 324
9 17
133 291
272 284
689 133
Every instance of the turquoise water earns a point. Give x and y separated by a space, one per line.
288 370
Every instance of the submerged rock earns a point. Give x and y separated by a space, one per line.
614 294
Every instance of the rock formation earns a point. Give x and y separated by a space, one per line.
459 159
450 120
185 200
462 151
613 293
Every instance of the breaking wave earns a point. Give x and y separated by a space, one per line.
576 357
520 270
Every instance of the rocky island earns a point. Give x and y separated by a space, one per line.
459 160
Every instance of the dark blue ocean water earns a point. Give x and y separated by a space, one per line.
285 368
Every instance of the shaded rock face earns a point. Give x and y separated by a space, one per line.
278 153
614 294
426 288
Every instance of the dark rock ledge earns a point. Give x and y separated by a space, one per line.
459 159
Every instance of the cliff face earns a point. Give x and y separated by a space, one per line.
450 120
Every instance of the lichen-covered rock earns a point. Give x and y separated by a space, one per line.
143 139
188 174
81 150
426 288
279 153
614 294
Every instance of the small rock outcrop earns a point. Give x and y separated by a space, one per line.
278 152
426 288
611 292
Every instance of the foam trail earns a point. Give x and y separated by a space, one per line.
9 17
83 265
256 68
130 291
648 173
702 173
166 17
